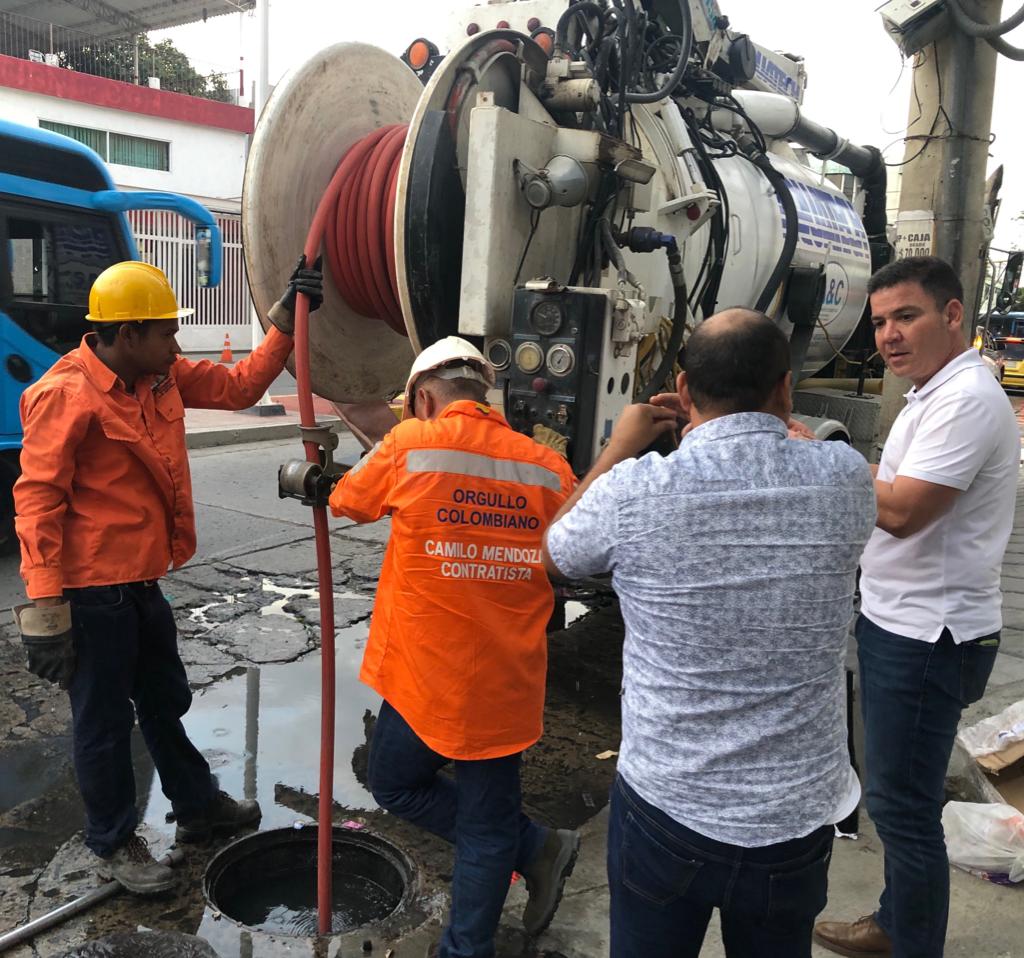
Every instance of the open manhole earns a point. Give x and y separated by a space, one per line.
267 881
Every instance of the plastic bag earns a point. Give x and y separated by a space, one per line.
996 733
985 839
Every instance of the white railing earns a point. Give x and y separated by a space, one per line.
166 240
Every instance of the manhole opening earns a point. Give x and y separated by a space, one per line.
267 881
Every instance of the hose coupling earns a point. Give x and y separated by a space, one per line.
311 482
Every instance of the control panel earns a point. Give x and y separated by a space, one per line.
550 364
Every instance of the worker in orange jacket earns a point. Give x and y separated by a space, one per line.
457 645
104 507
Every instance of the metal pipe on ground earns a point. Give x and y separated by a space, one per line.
28 931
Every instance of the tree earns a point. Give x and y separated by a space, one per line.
115 59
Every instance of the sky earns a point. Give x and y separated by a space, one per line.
858 83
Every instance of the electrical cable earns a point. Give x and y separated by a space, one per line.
675 342
718 239
778 274
534 222
562 27
970 22
615 254
965 14
686 50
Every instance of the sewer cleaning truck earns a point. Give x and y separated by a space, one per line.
573 187
62 222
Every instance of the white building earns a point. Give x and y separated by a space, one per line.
152 139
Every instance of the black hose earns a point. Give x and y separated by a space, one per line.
675 340
969 21
874 182
719 226
562 27
1006 49
778 276
614 253
685 50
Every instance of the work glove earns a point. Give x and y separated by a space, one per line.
48 638
547 436
303 280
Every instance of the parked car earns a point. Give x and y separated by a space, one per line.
1009 354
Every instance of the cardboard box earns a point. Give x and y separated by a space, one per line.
1009 781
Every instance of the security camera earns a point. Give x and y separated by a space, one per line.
913 24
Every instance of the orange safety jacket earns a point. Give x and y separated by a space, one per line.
457 642
105 494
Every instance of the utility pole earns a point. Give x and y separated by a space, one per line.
266 406
946 159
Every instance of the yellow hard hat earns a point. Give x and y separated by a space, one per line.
132 291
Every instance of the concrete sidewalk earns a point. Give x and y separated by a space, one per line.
219 427
985 919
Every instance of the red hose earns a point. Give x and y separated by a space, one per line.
355 216
360 229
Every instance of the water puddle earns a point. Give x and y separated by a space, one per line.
289 594
260 732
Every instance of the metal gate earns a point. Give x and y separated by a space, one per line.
166 240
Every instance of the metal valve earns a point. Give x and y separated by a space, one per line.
311 482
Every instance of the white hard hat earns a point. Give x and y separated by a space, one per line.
442 359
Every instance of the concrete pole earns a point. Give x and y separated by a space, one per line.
266 406
949 125
262 86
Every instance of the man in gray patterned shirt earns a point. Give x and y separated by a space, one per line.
734 559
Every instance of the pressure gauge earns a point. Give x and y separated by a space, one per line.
529 357
561 360
499 354
546 317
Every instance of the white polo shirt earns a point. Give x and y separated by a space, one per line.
958 430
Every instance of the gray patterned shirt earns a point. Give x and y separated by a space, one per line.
734 559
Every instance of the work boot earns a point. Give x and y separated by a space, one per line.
135 869
862 938
223 816
546 876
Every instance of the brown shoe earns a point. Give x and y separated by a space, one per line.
862 938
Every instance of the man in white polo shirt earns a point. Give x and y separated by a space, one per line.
930 619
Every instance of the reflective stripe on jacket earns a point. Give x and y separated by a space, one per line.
457 642
105 494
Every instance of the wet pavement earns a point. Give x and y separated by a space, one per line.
248 619
249 632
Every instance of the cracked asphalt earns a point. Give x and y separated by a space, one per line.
248 620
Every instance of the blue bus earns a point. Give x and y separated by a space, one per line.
62 222
1002 325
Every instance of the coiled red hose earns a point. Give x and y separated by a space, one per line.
359 228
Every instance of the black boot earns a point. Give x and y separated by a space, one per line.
223 816
546 877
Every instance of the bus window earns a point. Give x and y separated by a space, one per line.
53 260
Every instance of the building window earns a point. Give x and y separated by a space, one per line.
137 151
94 139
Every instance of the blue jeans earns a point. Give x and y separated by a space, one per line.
479 812
912 695
665 881
127 664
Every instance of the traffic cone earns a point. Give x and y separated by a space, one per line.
225 355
